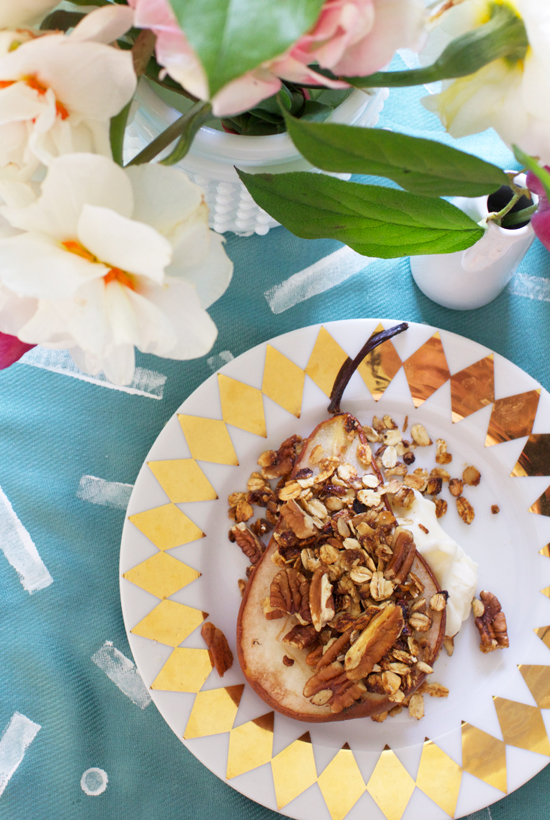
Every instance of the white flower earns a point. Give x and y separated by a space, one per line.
509 96
58 93
24 12
107 259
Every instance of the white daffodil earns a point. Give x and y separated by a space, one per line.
108 259
508 95
58 92
15 13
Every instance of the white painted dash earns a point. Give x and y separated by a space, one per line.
223 357
145 382
323 275
530 287
106 493
19 549
18 736
122 671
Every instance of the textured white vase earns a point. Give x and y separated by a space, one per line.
472 278
210 161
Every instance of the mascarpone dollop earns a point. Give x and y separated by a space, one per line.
454 570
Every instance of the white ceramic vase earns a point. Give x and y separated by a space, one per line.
210 161
472 278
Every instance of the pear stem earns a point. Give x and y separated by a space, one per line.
350 365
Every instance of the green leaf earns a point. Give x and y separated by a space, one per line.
503 36
116 133
375 221
422 166
231 37
61 20
532 165
314 112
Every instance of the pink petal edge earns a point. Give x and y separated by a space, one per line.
11 349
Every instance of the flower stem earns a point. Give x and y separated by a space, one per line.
183 125
497 216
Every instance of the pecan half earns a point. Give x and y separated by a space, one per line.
373 642
301 636
289 592
248 541
403 549
299 521
219 652
491 623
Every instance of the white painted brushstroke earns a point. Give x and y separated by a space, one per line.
482 814
94 781
223 357
19 549
145 382
317 278
530 287
106 493
18 736
122 671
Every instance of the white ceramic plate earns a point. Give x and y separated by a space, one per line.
506 546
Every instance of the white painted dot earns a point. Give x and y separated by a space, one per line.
93 782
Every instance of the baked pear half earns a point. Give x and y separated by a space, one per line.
341 617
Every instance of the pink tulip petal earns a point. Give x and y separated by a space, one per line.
11 349
541 225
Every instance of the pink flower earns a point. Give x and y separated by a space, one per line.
350 37
541 219
11 349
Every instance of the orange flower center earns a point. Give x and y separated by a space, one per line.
112 275
36 85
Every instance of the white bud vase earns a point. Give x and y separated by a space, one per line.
472 278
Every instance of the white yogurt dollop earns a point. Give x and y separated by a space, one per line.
455 571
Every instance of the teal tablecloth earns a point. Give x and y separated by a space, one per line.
70 452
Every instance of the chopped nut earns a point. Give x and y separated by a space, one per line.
219 652
301 636
495 509
300 522
322 697
465 510
416 706
478 608
491 623
441 454
321 601
420 436
471 476
456 486
288 661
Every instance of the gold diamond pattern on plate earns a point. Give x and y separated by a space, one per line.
182 480
169 623
473 388
166 526
542 504
380 366
390 785
213 712
535 457
242 405
250 745
545 551
522 726
283 381
543 632
185 670
484 756
537 679
341 783
208 440
293 770
426 370
512 417
162 575
439 777
546 592
327 357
